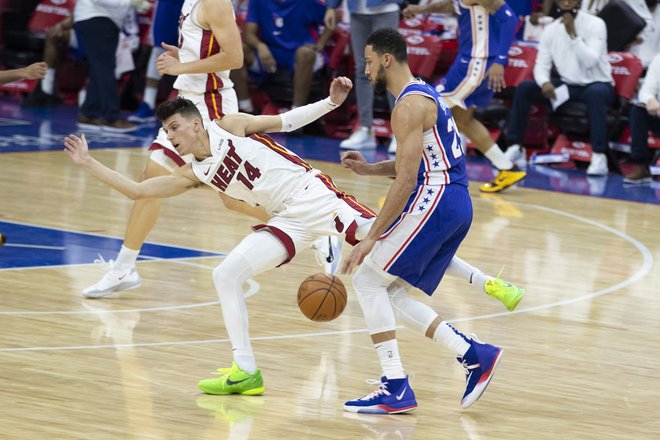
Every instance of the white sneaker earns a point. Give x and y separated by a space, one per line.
115 280
392 147
362 139
517 155
328 252
598 165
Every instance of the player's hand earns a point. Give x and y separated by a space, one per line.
339 88
569 24
330 19
77 149
357 255
266 57
653 107
168 62
548 90
356 162
496 77
412 10
35 71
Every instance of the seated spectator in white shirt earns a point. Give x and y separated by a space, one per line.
643 119
649 46
576 44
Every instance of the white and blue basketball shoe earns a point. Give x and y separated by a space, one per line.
393 396
479 362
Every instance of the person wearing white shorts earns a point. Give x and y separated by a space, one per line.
202 71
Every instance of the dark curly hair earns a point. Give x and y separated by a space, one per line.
388 40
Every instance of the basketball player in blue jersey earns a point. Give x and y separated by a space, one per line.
486 30
426 215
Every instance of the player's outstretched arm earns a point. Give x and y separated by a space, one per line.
244 125
162 186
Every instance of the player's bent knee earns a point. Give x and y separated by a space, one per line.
231 273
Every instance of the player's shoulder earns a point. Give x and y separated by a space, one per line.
221 6
410 109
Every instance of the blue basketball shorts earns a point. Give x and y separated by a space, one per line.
421 242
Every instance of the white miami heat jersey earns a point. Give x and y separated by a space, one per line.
197 43
254 169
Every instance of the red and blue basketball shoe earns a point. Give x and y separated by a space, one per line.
393 396
479 363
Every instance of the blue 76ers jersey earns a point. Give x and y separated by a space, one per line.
477 31
442 156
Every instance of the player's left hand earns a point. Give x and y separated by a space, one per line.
77 148
339 89
168 62
496 77
357 255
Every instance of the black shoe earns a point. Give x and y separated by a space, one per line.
40 99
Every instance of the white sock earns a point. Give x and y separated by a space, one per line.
498 159
245 360
48 83
390 360
150 94
245 105
452 338
461 269
126 258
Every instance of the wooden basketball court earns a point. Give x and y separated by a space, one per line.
581 351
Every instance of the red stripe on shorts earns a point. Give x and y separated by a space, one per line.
178 160
281 236
349 199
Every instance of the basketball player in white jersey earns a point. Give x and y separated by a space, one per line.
303 204
209 47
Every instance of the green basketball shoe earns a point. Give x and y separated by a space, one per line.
507 293
233 381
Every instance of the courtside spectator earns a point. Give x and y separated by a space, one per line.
642 119
164 29
366 17
97 23
57 39
283 36
576 44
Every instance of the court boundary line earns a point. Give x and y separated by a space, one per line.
56 228
642 272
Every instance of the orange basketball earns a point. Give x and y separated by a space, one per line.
322 297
